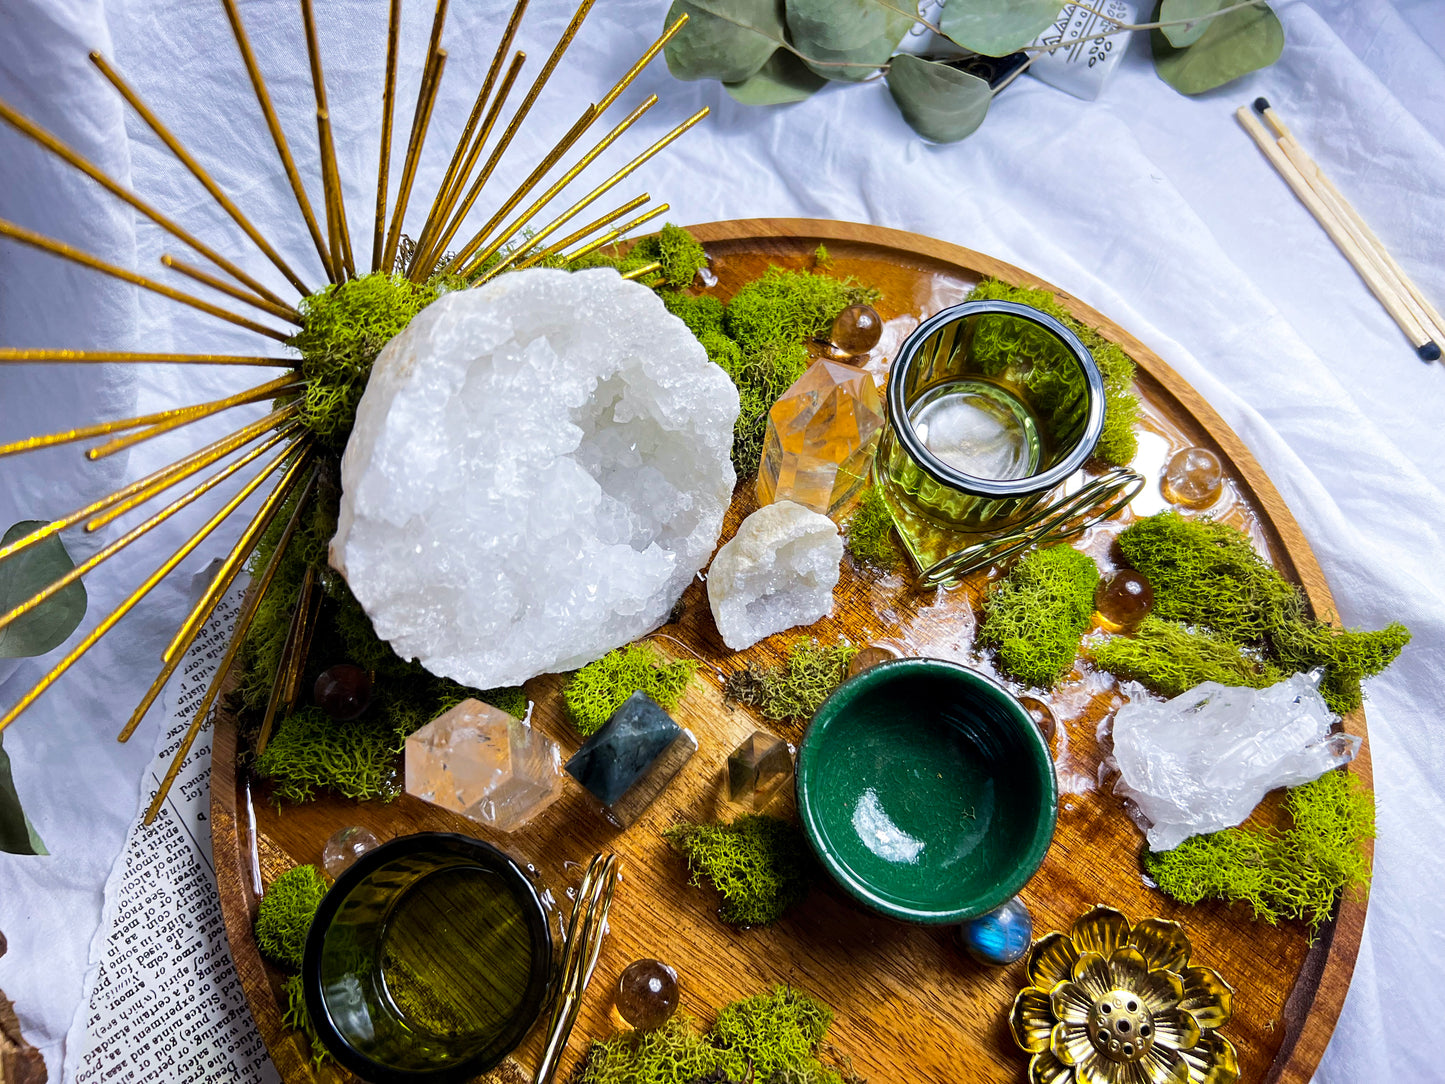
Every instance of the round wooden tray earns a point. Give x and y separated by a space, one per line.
910 1006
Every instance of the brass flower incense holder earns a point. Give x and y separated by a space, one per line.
1111 1003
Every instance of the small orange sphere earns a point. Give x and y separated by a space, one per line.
1193 478
856 330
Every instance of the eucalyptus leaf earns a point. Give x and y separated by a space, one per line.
997 27
783 79
17 834
1198 11
21 576
939 102
847 40
1232 45
728 40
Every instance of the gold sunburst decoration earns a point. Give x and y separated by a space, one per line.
289 457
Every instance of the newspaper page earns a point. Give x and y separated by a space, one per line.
164 1002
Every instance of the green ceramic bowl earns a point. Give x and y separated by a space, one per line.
927 791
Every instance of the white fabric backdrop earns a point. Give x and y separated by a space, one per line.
1154 208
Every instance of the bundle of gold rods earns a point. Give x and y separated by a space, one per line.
486 253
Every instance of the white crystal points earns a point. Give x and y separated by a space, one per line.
778 571
539 467
1203 761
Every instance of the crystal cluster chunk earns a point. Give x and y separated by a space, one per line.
630 761
1202 761
820 438
479 761
778 571
758 769
539 467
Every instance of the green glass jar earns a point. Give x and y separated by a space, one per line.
992 405
430 959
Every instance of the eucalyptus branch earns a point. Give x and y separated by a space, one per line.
914 15
1124 28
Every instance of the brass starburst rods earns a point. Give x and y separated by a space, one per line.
295 467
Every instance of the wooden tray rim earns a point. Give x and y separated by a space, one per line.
1317 998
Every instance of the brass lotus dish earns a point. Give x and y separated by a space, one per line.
1119 1004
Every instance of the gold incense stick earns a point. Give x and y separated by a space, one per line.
442 234
278 136
337 232
64 251
150 582
310 613
546 197
596 224
260 588
388 111
587 200
100 429
20 355
70 157
516 122
196 169
233 650
453 180
142 490
645 270
230 567
421 119
178 472
105 553
279 386
643 61
290 650
615 235
284 311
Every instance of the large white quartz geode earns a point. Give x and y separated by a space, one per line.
778 571
539 467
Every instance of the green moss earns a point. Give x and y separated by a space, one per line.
1170 659
772 1038
797 688
343 328
821 257
1038 613
1209 575
599 688
789 306
298 1018
761 376
284 914
760 865
1295 874
702 314
868 532
310 752
678 251
996 342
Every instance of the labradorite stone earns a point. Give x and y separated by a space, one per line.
999 937
619 754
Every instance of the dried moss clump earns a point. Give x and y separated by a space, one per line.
298 1018
343 328
1294 874
1171 660
599 688
797 688
678 251
868 533
1118 444
772 1038
284 915
1038 613
1208 576
760 865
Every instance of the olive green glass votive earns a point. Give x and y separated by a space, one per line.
992 405
429 960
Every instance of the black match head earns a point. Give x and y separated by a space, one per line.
1428 352
1260 105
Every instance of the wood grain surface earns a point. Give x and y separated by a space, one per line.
910 1006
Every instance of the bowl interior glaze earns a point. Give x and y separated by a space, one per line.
927 791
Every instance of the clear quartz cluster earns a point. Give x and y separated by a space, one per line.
1203 761
778 571
539 467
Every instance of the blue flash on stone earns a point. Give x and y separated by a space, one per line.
999 937
628 762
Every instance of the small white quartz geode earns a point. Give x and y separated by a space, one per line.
539 467
778 571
